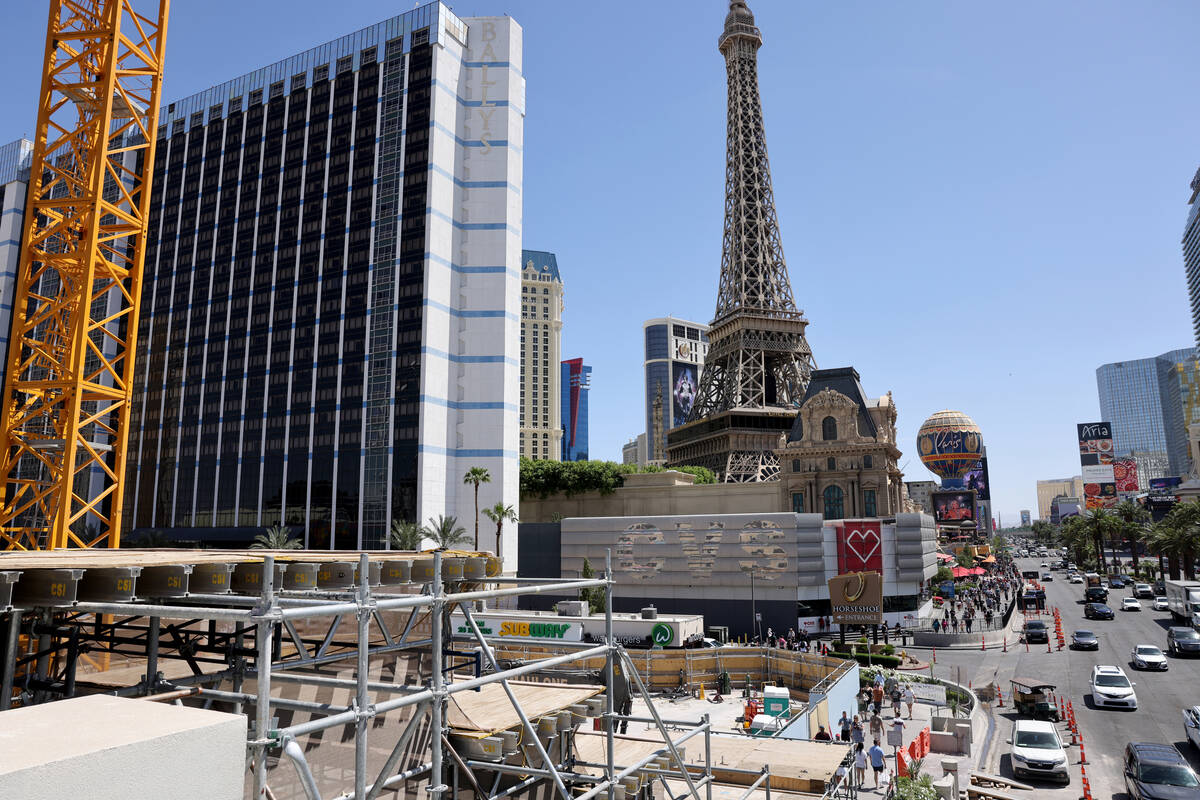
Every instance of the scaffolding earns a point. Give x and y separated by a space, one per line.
60 614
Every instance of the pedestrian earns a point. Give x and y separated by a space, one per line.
844 727
822 735
876 725
968 622
909 698
860 764
857 736
877 695
937 626
877 761
896 695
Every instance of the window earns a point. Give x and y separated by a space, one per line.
834 504
829 429
868 462
869 502
831 463
798 502
796 465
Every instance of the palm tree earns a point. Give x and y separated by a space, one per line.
1042 530
1076 537
1102 525
1133 526
1181 538
445 532
276 537
405 535
476 476
499 514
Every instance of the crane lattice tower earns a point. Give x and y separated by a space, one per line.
759 362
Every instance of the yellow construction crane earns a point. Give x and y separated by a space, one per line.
69 374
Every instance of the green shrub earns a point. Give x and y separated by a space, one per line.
889 649
542 479
887 662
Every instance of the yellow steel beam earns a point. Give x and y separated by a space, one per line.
75 309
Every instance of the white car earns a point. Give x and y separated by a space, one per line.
1130 604
1112 689
1160 604
1076 578
1037 751
1191 725
1147 656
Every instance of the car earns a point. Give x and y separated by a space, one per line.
1044 564
1156 771
1075 577
1037 751
1130 604
1071 565
1047 576
1036 631
1191 725
1111 688
1160 604
1097 611
1095 594
1147 656
1142 590
1084 640
1115 582
1181 641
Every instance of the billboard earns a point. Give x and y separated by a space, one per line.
1026 518
1125 474
857 598
953 506
684 385
977 479
1165 484
1096 459
859 546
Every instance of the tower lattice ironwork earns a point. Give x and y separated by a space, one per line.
759 361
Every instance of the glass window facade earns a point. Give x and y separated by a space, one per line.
834 502
576 381
869 502
1144 401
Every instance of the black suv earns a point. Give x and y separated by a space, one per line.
1158 772
1035 631
1095 594
1183 640
1097 611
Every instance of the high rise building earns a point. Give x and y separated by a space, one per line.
15 158
576 381
1150 403
1049 489
759 363
675 350
920 493
1191 254
329 330
541 344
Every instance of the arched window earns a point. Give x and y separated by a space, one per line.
829 429
834 506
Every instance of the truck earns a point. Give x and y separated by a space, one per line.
1183 598
1091 579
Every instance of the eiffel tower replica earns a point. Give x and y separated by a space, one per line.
758 363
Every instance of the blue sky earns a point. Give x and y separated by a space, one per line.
980 203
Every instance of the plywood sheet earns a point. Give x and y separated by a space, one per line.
172 669
100 558
489 710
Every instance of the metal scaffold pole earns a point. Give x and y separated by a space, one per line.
262 709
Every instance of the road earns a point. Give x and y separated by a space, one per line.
1161 695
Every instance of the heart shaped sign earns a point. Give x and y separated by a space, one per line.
864 543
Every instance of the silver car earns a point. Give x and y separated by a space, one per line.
1147 656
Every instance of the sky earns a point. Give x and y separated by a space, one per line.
980 203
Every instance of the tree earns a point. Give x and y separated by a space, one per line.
277 537
1133 526
405 535
476 476
499 514
1043 531
943 574
1077 538
1103 526
594 595
964 558
445 532
1178 538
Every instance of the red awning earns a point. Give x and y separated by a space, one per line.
977 571
944 557
961 572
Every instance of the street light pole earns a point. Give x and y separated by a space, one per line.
754 626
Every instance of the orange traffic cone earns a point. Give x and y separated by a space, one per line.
982 642
999 698
1005 650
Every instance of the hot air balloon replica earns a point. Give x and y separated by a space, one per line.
950 444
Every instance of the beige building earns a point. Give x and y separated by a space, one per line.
920 494
541 340
1048 490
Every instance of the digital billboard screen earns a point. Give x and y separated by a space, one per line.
953 506
1165 484
684 385
1125 474
977 479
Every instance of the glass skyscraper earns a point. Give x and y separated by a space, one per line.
674 355
576 381
1191 253
1145 402
329 325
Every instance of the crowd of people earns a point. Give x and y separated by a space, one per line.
985 603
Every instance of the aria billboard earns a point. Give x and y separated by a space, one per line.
1096 459
953 506
856 598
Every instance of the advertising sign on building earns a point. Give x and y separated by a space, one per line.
977 479
1096 451
1125 474
859 546
953 506
684 384
1165 484
515 627
857 598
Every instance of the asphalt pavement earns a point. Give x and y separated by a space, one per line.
1161 695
